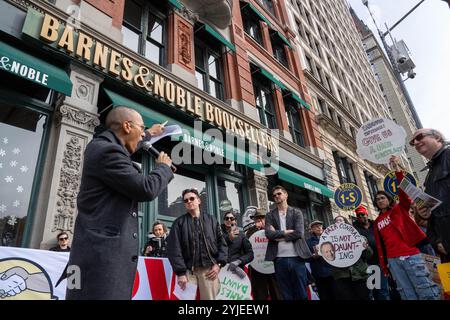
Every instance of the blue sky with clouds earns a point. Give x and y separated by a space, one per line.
426 32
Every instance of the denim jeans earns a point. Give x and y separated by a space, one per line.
291 277
413 278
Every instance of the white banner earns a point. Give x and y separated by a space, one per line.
259 243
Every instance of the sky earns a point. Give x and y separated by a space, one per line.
426 32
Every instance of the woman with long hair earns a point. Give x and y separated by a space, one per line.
397 235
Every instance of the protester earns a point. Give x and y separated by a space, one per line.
431 144
287 246
397 235
105 244
240 250
320 270
365 228
424 246
196 247
351 282
157 245
63 243
264 286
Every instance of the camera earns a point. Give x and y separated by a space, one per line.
401 59
411 74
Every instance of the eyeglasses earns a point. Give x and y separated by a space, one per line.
419 137
62 239
190 199
141 126
229 219
277 194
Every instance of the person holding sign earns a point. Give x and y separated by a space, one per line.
287 247
240 250
431 144
397 235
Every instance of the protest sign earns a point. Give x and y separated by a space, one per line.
420 198
444 274
348 196
259 243
341 245
232 287
390 183
378 139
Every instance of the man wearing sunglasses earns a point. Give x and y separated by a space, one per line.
105 244
63 243
196 247
431 144
287 246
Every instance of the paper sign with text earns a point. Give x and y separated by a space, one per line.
259 243
232 287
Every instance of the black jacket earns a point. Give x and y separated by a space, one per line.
238 248
105 242
437 184
180 243
159 246
369 234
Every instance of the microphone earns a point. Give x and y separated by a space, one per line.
147 146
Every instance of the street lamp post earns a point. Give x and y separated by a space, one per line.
392 60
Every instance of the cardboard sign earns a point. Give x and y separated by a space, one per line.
341 245
378 139
348 196
259 243
444 274
232 287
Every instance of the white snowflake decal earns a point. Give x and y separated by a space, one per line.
2 208
24 169
16 203
9 179
12 220
13 163
16 151
2 152
19 189
5 140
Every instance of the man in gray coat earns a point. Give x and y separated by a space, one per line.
287 247
105 242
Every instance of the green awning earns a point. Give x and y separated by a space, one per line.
269 76
151 117
300 100
177 4
29 67
258 13
303 182
219 37
283 38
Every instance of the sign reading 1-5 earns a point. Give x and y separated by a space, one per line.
348 196
390 183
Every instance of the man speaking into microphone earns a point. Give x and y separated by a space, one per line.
105 242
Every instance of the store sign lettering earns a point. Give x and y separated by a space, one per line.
83 47
23 70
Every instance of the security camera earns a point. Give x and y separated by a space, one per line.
401 59
411 74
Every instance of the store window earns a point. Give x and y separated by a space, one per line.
170 201
21 139
208 67
144 29
230 195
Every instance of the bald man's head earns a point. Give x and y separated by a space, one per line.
119 115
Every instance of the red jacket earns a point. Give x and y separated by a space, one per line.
400 219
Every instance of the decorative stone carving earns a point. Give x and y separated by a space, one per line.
262 200
69 184
78 118
189 15
84 90
184 44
